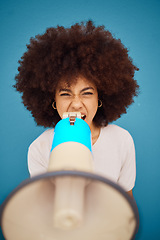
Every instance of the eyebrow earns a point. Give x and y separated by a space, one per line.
87 88
64 90
68 90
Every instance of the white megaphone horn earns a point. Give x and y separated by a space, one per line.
70 201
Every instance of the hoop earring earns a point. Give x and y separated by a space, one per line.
100 103
53 105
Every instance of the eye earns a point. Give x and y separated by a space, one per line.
87 93
64 94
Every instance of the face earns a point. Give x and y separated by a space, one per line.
81 97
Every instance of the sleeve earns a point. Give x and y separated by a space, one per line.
36 162
39 153
128 169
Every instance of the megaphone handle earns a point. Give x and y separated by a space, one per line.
69 202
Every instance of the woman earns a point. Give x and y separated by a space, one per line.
81 69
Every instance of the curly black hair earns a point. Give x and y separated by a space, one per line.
83 49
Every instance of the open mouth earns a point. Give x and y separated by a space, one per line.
83 116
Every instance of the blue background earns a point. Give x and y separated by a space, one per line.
137 24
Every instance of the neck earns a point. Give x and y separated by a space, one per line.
95 131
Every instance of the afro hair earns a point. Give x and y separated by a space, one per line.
83 49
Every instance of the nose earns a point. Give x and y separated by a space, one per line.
76 103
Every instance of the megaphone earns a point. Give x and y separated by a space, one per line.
70 201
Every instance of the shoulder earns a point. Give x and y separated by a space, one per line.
39 152
115 132
113 138
44 140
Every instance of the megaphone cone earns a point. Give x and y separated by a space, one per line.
69 202
105 211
